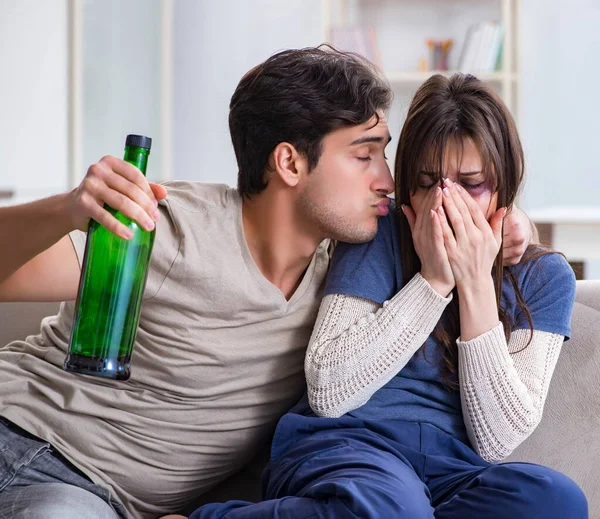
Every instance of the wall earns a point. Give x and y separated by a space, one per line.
121 78
216 43
33 97
560 123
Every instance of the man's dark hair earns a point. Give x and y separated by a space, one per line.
299 96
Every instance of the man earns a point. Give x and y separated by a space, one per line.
231 298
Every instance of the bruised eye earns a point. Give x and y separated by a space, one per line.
474 187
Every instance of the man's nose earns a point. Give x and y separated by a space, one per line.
385 182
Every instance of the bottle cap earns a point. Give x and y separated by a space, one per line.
139 141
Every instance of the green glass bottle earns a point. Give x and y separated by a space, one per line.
113 277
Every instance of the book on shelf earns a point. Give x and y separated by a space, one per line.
358 39
482 49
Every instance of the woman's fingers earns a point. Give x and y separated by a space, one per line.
437 198
433 202
456 194
474 210
448 235
437 233
452 212
423 213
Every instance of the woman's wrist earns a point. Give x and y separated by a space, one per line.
477 307
475 285
440 287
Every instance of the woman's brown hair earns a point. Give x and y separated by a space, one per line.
451 110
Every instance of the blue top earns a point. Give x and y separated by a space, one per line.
373 271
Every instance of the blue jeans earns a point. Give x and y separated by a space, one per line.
37 482
349 469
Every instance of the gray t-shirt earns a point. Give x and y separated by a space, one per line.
218 359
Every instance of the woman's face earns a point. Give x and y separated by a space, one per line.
466 170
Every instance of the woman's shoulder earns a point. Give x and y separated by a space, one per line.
542 268
371 270
538 258
546 282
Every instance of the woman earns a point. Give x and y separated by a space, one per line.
430 361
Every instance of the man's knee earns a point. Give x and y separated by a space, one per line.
56 501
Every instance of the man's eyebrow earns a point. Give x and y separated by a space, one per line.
367 139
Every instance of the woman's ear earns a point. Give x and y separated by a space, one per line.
288 164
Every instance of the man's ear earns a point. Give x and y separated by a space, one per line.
288 164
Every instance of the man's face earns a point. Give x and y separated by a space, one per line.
464 167
347 191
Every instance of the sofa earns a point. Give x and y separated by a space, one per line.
568 438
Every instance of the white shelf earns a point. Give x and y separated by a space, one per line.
419 77
407 24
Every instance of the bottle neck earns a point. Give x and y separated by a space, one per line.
137 156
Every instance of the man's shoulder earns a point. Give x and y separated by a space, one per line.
199 196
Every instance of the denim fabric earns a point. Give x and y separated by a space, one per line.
36 481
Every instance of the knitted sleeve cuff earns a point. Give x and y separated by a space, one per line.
485 354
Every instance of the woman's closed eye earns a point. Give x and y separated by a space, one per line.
469 187
474 188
